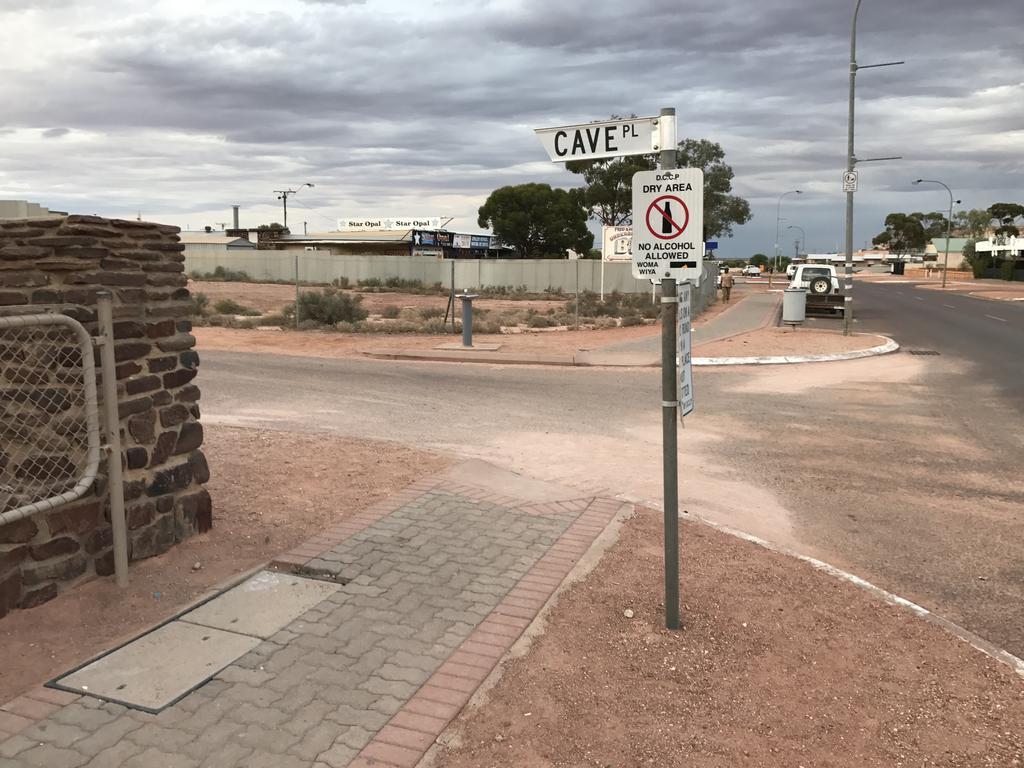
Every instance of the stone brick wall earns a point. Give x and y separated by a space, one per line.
60 264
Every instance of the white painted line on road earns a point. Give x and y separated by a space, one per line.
949 305
919 298
993 317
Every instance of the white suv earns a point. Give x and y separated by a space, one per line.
818 279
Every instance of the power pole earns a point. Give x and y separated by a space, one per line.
282 195
851 162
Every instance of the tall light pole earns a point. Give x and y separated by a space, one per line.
282 195
803 235
851 162
949 223
778 219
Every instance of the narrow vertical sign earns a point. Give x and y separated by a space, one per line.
684 344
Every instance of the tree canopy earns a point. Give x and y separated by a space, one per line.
1006 215
607 194
903 233
972 224
538 221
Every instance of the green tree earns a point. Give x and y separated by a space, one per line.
759 260
971 224
903 233
607 194
538 221
1006 215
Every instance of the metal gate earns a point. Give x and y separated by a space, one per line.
50 444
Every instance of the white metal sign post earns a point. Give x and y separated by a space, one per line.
675 226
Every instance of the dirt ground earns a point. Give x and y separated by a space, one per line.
784 341
271 297
777 665
271 491
330 344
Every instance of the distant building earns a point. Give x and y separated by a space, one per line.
213 243
1002 249
23 209
412 242
936 251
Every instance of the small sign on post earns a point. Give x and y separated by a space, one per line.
611 138
685 350
850 181
668 215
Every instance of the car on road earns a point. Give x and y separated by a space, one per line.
751 271
822 285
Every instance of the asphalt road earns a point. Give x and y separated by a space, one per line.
987 334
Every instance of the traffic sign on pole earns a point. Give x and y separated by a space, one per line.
850 181
685 350
611 138
668 212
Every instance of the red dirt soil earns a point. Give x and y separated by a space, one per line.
778 664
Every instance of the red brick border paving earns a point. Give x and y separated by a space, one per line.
405 739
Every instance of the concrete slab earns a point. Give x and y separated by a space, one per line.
457 346
262 605
160 667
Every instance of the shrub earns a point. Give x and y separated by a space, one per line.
228 275
483 325
370 282
344 327
631 320
437 325
200 303
428 312
390 312
341 282
605 322
540 321
232 307
328 308
1007 268
310 325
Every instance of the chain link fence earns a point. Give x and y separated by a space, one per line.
49 427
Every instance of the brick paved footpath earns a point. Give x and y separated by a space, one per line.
444 577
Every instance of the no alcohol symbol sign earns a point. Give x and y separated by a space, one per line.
667 217
670 243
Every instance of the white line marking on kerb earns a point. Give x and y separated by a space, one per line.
993 317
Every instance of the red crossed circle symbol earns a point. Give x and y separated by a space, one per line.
654 207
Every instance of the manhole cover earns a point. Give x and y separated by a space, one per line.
922 352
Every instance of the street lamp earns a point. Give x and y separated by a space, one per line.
778 219
949 223
803 235
282 195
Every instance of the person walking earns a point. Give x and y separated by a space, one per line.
727 282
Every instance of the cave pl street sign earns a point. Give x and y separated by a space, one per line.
611 138
668 224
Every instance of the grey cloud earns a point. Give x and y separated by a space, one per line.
55 133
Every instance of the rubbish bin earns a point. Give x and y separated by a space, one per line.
899 267
794 306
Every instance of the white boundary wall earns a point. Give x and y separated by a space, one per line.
536 274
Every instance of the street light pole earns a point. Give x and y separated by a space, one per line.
949 224
803 235
282 195
778 220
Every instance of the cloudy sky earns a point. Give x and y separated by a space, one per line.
395 107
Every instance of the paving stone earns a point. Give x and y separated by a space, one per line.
153 757
16 745
338 756
115 756
316 740
49 756
227 756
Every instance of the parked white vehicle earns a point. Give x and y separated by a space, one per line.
751 271
791 270
816 279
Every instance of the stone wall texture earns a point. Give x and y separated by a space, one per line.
59 264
